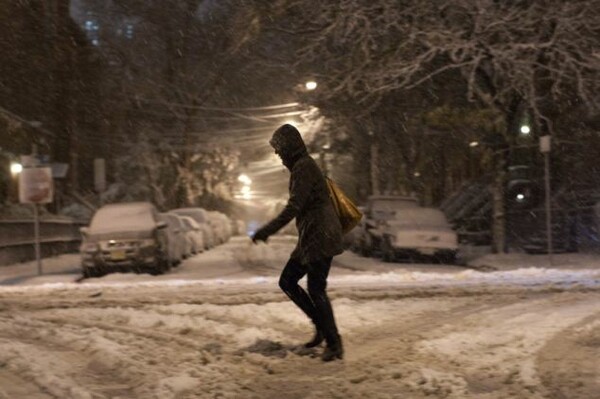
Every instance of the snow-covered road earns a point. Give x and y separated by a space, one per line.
218 327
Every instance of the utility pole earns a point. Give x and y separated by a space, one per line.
545 144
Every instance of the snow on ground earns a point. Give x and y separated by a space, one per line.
240 262
218 327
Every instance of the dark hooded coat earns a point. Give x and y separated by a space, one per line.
319 229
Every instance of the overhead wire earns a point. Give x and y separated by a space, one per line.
225 109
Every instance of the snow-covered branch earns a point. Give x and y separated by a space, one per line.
544 52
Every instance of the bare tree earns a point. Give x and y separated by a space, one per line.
514 57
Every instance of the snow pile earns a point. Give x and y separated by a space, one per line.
485 346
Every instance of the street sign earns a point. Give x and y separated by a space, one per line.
36 185
99 175
545 144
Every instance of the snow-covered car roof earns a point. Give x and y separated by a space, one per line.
124 217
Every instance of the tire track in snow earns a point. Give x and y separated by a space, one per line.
160 355
569 361
60 354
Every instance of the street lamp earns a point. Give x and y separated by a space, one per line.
244 179
545 146
525 129
16 168
311 85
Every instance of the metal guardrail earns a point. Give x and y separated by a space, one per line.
56 236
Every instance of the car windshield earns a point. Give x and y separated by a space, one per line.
196 214
121 218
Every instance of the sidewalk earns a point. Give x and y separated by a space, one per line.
57 269
513 261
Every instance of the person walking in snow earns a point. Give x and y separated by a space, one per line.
319 238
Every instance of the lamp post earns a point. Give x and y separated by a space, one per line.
545 149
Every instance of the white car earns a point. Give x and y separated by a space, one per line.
177 237
221 226
416 233
200 215
194 233
187 237
378 210
125 237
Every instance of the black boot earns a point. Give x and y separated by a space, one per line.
316 341
334 350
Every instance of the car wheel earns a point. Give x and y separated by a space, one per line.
157 268
364 251
448 258
93 272
387 256
387 252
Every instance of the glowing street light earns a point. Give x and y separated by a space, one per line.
16 168
525 129
244 179
473 144
311 85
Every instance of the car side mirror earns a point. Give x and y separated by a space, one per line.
161 225
84 231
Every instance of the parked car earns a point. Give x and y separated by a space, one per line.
177 238
125 237
240 227
194 233
188 239
200 215
220 225
418 233
378 210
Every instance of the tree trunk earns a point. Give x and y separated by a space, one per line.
375 190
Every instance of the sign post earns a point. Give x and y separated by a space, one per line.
545 144
35 187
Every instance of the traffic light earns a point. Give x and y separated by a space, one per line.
523 191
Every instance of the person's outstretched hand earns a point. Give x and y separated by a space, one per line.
260 235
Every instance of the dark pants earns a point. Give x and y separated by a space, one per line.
315 303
